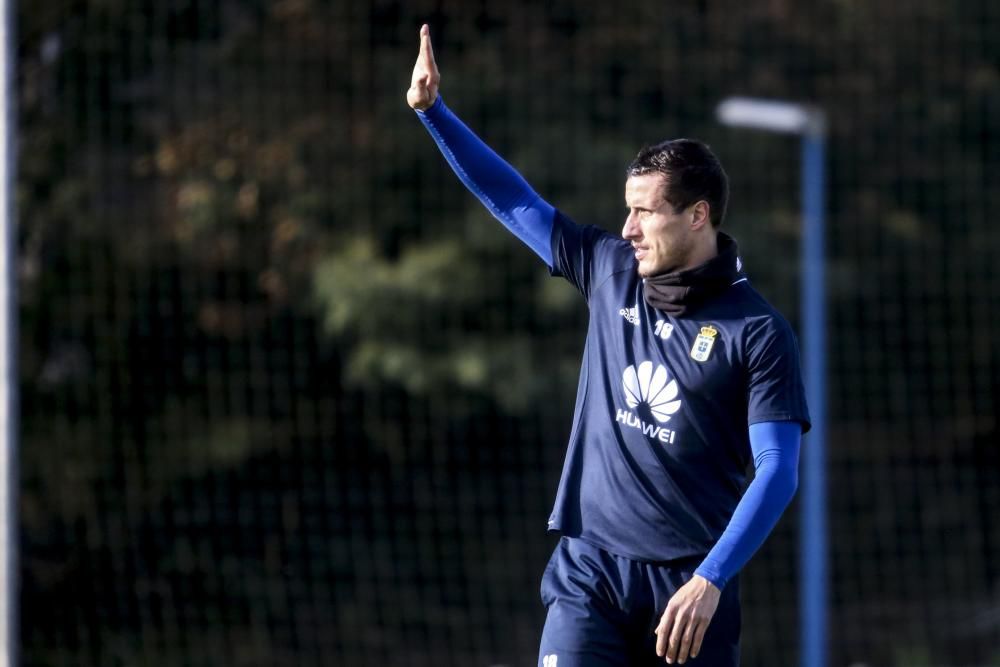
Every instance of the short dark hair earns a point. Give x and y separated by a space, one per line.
692 172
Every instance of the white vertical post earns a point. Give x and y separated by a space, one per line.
8 343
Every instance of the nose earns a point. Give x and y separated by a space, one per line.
631 229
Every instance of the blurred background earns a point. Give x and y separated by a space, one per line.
291 397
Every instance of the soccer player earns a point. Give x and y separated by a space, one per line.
688 375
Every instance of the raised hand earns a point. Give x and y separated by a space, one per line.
426 78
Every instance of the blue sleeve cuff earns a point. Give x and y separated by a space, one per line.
432 109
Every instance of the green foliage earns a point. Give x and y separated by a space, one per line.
393 315
914 656
236 241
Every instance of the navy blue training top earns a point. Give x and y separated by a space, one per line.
659 448
773 444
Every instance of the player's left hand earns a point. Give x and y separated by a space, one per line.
682 626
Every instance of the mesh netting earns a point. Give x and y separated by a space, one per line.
291 397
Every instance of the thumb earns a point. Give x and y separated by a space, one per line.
418 95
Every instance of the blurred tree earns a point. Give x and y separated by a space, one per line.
239 248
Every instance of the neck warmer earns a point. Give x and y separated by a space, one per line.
679 292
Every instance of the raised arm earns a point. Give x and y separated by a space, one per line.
495 183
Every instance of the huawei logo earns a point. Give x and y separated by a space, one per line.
645 386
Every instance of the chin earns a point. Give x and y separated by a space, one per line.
647 270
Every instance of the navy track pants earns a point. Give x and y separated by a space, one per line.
603 609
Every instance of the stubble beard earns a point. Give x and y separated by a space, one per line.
675 258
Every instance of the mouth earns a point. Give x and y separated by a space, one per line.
640 252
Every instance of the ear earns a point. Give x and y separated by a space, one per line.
700 215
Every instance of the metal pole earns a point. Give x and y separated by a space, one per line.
810 123
813 529
8 345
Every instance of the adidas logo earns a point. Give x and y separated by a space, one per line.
631 314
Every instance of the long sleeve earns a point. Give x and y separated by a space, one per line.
775 447
495 183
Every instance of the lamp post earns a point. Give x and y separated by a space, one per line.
810 124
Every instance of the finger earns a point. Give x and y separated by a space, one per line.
661 641
699 636
663 632
426 50
685 647
673 644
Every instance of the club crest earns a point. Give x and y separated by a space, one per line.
703 343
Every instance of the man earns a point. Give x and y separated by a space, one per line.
688 375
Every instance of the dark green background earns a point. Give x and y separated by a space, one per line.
291 397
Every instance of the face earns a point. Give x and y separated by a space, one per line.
663 240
